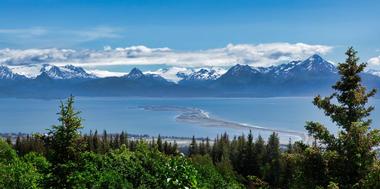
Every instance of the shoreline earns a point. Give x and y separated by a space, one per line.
200 117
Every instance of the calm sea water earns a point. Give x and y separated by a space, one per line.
121 114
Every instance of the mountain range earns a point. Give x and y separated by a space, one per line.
297 78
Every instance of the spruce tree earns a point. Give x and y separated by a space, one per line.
208 147
193 148
250 159
273 161
260 153
350 153
95 142
63 143
159 143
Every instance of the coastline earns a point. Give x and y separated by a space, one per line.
202 118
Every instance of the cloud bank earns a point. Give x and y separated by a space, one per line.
255 55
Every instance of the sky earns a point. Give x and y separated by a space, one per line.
115 35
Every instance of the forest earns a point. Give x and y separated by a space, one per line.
64 157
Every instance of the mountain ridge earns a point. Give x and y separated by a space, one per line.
296 78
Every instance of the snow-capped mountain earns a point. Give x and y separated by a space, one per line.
282 69
8 74
201 74
308 77
294 73
241 70
173 74
373 72
240 74
65 72
136 74
314 65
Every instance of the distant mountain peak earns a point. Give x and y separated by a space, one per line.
315 57
135 73
201 75
65 72
6 73
317 63
239 69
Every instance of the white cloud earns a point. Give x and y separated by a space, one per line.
374 62
35 56
255 55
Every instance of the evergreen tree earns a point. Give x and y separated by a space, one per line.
273 162
289 147
18 144
208 147
351 150
250 160
90 142
63 143
95 141
260 153
202 148
105 142
193 148
123 138
159 144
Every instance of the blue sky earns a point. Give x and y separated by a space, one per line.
191 25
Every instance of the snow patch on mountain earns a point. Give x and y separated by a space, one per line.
317 63
105 73
203 74
373 72
52 71
239 70
65 72
30 71
6 73
174 74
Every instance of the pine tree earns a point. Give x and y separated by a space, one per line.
260 153
63 143
273 172
347 107
159 144
18 145
105 142
208 147
202 148
250 160
289 147
90 142
95 141
239 157
123 138
193 148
